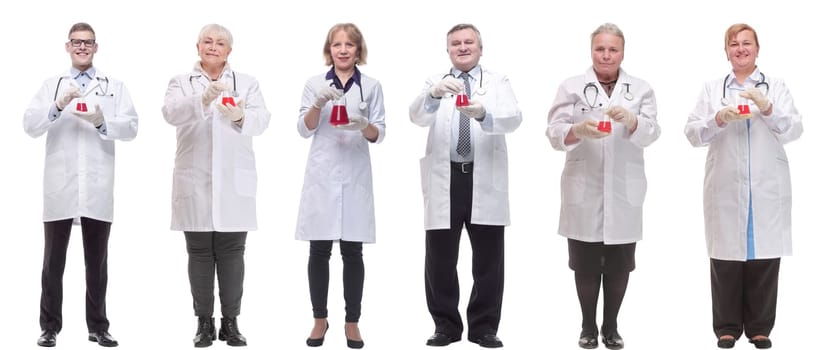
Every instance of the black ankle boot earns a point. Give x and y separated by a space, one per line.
229 332
205 333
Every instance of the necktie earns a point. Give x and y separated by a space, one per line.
463 144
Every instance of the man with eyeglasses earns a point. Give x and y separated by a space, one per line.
83 112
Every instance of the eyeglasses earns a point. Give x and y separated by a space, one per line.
77 42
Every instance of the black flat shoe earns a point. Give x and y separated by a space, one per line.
314 342
613 341
588 340
441 339
205 334
103 338
487 341
47 339
229 332
726 343
764 343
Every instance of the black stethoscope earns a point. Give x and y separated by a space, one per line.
101 92
760 83
234 84
593 103
362 104
480 90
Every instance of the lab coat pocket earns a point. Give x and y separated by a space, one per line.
784 181
107 104
54 178
246 182
425 166
500 170
635 184
181 184
573 182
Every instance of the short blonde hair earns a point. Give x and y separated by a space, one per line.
735 29
354 34
609 28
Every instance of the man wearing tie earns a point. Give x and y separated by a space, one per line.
83 112
465 184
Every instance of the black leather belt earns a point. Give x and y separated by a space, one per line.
463 167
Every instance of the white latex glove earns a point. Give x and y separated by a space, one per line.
731 114
357 123
325 95
233 113
449 85
95 117
758 98
588 130
212 92
474 110
69 94
623 116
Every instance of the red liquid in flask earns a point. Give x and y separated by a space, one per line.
461 100
744 109
339 116
227 100
604 126
81 107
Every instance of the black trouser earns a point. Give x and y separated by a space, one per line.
488 269
224 250
318 271
587 288
95 251
744 296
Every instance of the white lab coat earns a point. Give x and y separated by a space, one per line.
741 160
214 180
490 164
603 183
79 174
337 197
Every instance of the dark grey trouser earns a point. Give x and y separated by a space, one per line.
208 251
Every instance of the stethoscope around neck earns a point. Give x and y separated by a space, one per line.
593 103
480 90
234 83
362 104
100 90
759 84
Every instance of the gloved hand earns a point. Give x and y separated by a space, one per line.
474 110
324 95
623 116
69 94
731 114
449 85
212 92
357 122
95 117
758 98
233 113
587 129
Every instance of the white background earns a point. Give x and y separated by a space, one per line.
674 46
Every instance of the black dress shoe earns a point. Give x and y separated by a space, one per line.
441 339
230 333
47 339
314 342
613 341
727 343
764 343
103 338
588 340
487 341
205 334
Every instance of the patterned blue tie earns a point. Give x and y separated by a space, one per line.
463 144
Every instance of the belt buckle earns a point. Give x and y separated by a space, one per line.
465 170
